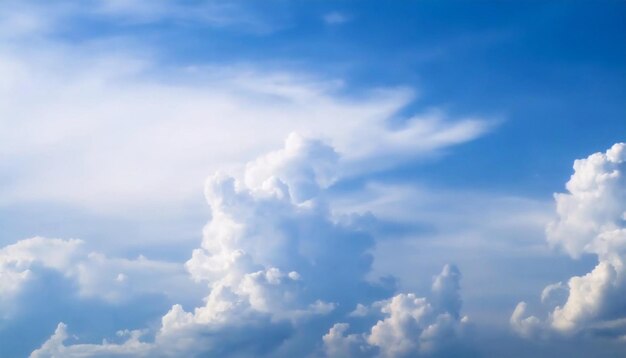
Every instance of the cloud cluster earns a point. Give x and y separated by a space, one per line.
591 220
281 269
118 131
410 325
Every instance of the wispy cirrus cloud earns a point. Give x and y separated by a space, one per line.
28 20
103 131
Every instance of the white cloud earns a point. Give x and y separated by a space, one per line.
527 327
116 131
273 257
17 260
106 131
54 347
594 207
335 18
339 344
591 220
271 250
113 280
411 325
28 19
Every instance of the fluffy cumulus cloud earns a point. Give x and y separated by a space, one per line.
54 346
591 220
410 326
116 132
17 261
281 270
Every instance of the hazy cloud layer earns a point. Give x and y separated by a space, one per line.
114 280
112 131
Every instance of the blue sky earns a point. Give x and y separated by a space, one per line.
409 150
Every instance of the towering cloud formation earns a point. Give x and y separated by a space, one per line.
591 220
281 269
272 254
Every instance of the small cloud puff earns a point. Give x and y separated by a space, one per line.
335 18
17 260
95 274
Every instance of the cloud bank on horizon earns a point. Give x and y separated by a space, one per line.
408 213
